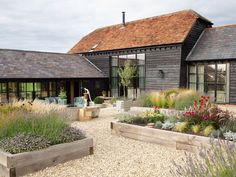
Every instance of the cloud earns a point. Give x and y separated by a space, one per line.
56 25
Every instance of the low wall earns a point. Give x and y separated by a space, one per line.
13 165
179 141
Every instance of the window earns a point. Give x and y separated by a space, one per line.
53 89
211 79
44 89
192 77
138 82
26 90
3 92
12 91
37 89
200 78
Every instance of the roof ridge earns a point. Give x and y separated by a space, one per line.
153 17
223 26
33 51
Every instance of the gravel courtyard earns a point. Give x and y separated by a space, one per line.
116 156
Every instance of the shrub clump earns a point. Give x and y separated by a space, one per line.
26 130
70 134
98 100
172 98
217 161
23 143
49 126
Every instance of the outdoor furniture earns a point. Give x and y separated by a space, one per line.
50 100
88 113
79 102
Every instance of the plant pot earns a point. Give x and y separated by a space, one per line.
123 105
62 101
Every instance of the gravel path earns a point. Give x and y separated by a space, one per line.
116 156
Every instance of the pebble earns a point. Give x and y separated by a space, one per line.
116 156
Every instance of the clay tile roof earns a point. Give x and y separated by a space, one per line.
165 29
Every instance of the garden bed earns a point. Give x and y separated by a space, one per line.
12 165
179 141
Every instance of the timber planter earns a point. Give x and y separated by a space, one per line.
123 105
179 141
13 165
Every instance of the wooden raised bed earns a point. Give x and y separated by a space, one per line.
179 141
12 165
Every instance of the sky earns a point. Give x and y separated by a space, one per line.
57 25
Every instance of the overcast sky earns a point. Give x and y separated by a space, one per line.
56 25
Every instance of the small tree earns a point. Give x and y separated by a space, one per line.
127 74
62 94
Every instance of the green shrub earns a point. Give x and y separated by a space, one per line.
133 120
185 99
230 136
167 125
181 126
161 101
230 125
144 100
208 130
217 161
24 129
62 94
113 100
5 109
98 100
196 128
23 143
49 126
158 124
152 116
216 133
170 98
70 134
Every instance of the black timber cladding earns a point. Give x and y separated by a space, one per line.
217 43
29 64
158 58
232 82
187 46
101 61
163 59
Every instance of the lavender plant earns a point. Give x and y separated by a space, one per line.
217 161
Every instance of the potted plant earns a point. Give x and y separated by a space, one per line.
99 101
104 93
113 101
126 74
62 97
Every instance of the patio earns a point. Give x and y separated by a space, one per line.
116 156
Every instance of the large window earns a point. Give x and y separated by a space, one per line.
26 90
114 75
138 83
211 79
3 92
12 91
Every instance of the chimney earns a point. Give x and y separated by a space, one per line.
123 18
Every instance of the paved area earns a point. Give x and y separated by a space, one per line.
116 156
